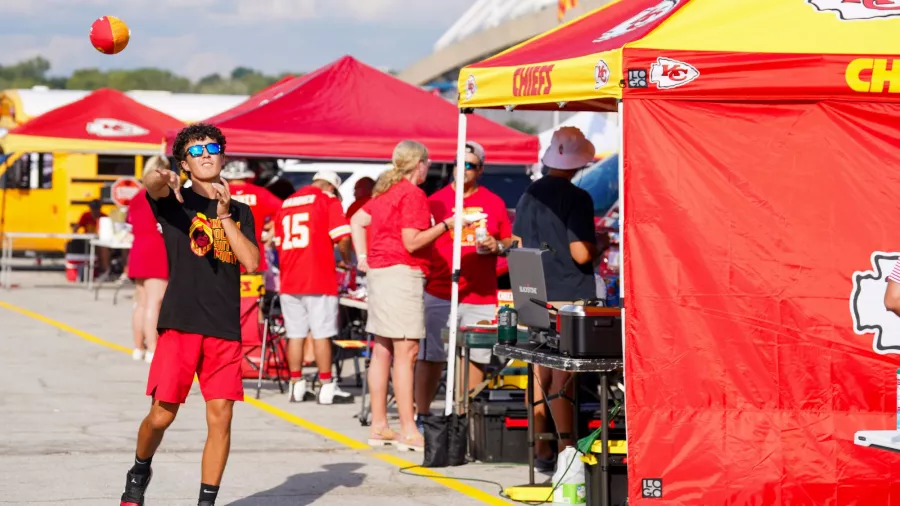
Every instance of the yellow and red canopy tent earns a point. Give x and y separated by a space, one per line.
741 49
759 186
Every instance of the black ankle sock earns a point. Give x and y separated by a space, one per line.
208 493
141 466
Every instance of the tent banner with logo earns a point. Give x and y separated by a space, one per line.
736 50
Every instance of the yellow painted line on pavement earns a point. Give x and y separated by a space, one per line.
337 437
63 326
312 427
451 483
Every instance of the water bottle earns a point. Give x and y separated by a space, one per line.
898 399
507 326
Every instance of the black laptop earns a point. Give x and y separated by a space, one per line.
526 276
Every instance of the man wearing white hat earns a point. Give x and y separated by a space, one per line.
555 214
309 224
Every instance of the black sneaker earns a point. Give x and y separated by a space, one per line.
135 486
206 503
543 465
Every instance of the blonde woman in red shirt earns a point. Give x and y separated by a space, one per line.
148 266
392 235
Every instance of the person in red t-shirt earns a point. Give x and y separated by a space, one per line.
263 204
88 223
478 278
148 267
307 227
392 235
362 192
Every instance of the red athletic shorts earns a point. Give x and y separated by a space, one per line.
179 355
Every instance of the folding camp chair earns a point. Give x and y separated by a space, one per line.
351 342
272 361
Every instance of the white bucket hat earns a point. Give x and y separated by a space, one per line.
569 150
237 169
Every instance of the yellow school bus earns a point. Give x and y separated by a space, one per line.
48 192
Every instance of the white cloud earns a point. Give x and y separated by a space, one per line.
272 11
56 49
250 11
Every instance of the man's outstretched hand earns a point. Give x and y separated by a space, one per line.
160 178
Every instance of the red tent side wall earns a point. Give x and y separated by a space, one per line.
746 228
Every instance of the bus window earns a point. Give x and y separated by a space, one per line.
31 171
115 165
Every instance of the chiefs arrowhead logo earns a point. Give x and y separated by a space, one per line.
471 87
867 304
852 10
108 127
643 18
667 73
601 74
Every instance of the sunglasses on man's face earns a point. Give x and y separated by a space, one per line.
472 166
212 148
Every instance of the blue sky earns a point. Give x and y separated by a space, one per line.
198 37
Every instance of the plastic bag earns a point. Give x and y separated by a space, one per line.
568 480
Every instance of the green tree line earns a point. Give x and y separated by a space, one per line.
36 72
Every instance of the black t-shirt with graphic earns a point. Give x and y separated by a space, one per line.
204 291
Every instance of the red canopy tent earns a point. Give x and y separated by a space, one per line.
350 111
105 121
759 211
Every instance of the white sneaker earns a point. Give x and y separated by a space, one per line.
330 393
137 354
299 391
148 357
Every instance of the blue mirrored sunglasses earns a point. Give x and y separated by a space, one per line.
472 166
212 148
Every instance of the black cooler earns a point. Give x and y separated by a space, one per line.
498 427
590 332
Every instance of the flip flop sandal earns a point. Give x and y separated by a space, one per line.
382 437
411 443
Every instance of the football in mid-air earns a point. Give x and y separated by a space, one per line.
110 35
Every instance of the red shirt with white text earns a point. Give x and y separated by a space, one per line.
263 204
308 225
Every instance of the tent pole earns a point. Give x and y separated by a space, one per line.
621 117
460 175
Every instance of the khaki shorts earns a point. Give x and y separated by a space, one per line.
396 302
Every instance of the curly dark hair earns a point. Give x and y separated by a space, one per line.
195 132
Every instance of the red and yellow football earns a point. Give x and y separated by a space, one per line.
110 35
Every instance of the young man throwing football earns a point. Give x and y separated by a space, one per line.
207 236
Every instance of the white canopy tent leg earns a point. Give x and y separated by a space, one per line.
621 283
621 198
460 175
